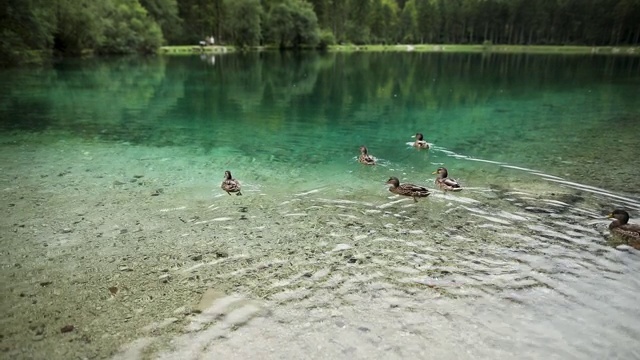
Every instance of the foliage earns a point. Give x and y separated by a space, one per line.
71 27
293 23
25 25
407 22
243 22
326 39
79 26
202 18
129 29
357 29
165 13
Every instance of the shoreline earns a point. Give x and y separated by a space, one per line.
449 48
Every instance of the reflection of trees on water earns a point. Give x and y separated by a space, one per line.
250 97
99 98
23 103
193 99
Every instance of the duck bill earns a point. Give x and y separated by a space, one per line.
413 136
434 173
610 216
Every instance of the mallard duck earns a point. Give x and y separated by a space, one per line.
444 182
621 227
229 184
365 158
405 189
420 143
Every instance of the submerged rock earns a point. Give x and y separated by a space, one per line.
67 328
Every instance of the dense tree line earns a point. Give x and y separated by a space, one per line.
31 27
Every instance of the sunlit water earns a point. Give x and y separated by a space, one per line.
518 263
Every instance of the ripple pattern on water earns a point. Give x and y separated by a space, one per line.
516 267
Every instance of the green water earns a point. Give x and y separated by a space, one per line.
571 116
117 162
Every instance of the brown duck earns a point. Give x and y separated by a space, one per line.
365 158
405 189
420 143
620 226
230 185
444 182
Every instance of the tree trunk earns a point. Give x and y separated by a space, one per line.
464 30
486 31
619 35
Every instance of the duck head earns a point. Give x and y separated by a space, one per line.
442 172
393 181
418 136
620 216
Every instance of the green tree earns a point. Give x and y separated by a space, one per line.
427 21
338 12
627 22
407 24
129 29
384 21
293 23
322 8
80 25
25 25
243 22
390 20
165 13
357 29
201 18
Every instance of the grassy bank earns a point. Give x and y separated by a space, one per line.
539 49
542 49
190 49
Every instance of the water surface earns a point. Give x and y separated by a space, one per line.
520 262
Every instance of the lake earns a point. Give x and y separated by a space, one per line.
114 222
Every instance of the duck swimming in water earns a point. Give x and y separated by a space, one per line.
230 185
415 191
420 143
621 227
444 182
365 158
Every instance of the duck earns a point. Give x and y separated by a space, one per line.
230 185
621 227
365 158
444 182
415 191
420 143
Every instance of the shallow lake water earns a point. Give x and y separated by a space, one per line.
114 222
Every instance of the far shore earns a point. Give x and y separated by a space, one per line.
537 49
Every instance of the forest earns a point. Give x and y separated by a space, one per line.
31 29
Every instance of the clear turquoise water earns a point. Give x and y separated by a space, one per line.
571 116
544 144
